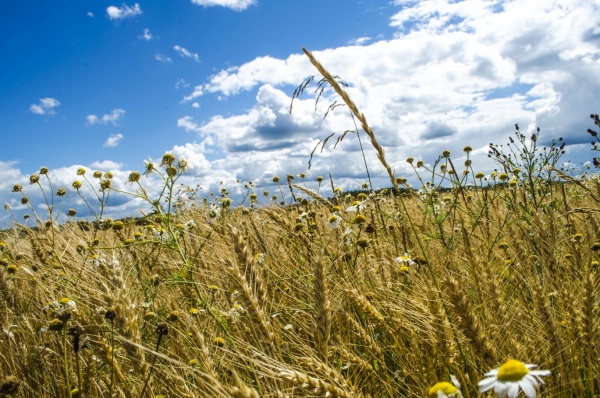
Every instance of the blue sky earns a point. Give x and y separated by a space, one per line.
104 85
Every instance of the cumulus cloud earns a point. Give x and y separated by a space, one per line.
163 58
106 165
185 53
45 106
90 14
236 5
455 74
360 41
115 13
198 92
110 118
113 140
188 124
147 35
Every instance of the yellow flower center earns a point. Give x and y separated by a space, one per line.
444 386
512 370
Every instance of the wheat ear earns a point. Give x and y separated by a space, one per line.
469 322
251 271
368 309
323 310
252 305
313 385
313 195
361 117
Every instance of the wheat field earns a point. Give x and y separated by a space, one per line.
310 293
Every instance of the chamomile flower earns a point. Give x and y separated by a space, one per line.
334 221
213 213
347 237
405 260
511 377
356 207
190 224
446 390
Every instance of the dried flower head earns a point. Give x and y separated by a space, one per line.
34 179
168 159
134 176
61 192
9 386
182 164
171 171
97 174
149 166
359 219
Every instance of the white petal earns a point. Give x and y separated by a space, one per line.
540 372
528 388
513 390
455 381
493 372
501 389
533 380
487 384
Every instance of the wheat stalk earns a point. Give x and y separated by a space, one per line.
361 117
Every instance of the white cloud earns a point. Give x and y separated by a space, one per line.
115 13
147 35
113 140
188 124
195 105
106 165
112 118
198 92
163 58
181 83
185 53
360 41
90 14
456 74
236 5
45 106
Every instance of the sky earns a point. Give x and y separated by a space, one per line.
105 85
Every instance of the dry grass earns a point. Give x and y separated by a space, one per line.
281 301
269 303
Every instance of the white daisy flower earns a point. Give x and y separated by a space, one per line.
405 260
190 224
213 213
511 377
356 207
445 389
347 237
334 221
